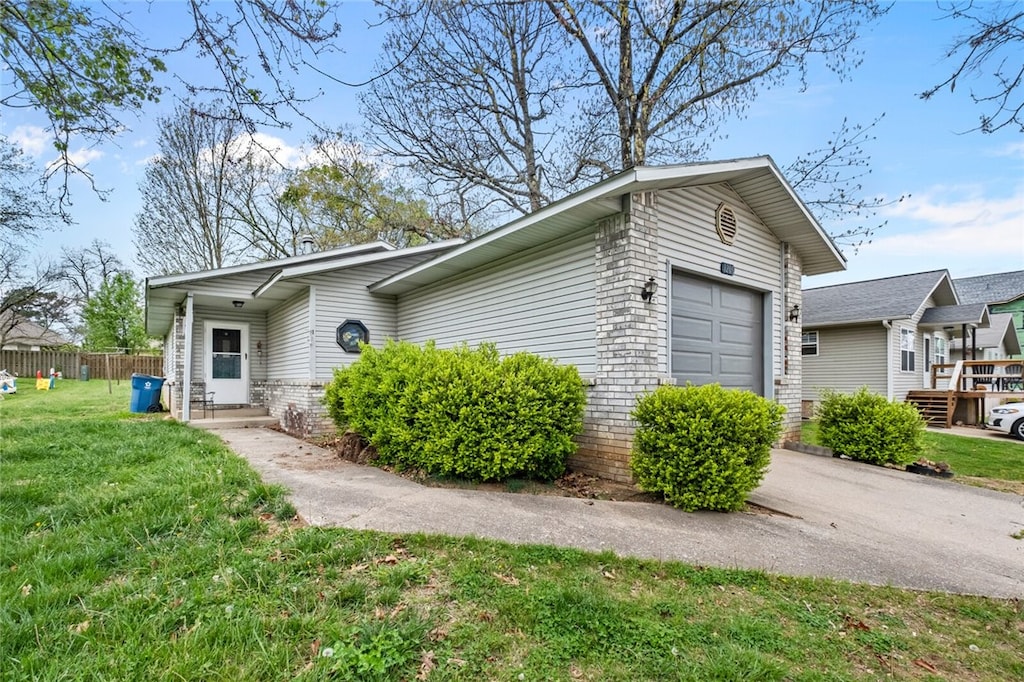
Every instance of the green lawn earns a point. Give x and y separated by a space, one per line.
135 548
1001 459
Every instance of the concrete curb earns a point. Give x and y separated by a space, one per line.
797 446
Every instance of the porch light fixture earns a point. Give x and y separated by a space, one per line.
238 304
650 288
794 314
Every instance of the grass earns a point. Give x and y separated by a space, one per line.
133 547
1000 460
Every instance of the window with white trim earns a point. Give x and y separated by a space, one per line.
809 343
940 351
906 350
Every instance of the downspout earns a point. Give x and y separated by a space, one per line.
888 359
186 380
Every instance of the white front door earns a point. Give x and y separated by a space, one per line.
226 354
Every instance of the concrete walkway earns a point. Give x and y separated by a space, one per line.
974 432
839 519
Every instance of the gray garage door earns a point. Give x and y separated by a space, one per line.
717 334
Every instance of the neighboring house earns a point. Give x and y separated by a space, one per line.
27 335
1003 292
998 342
882 333
653 276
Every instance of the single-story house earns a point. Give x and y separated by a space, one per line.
656 275
22 334
1003 292
882 333
996 342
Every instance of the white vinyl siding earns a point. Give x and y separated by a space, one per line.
541 301
343 295
689 241
848 358
287 355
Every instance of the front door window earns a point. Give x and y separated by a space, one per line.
227 353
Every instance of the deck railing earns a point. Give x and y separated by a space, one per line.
968 376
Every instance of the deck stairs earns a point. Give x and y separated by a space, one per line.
936 407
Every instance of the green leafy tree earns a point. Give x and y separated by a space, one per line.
352 202
113 317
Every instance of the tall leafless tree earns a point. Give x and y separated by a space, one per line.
597 86
479 101
185 220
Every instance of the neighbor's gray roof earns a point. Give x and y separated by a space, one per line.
971 313
889 298
1000 330
27 333
997 288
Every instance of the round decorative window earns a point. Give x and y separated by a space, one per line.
350 333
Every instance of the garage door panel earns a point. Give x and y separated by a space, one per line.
717 333
698 292
739 301
693 329
742 334
694 361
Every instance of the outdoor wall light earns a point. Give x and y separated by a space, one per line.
650 288
794 314
238 304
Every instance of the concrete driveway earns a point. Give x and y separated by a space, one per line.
836 518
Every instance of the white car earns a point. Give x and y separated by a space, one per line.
1008 418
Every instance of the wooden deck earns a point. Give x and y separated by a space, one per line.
960 391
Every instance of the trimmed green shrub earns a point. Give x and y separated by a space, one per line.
703 447
461 412
869 428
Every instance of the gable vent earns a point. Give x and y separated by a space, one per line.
725 223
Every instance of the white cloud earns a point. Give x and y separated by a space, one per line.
268 148
32 140
82 157
958 229
1014 149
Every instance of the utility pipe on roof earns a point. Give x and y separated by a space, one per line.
888 358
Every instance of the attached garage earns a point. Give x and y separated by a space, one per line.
717 333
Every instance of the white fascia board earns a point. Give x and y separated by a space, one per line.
262 289
172 280
316 268
615 185
632 180
825 236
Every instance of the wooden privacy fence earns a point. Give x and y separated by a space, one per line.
25 363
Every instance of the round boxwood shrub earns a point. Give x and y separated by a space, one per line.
461 412
703 447
869 428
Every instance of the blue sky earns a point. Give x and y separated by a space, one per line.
965 209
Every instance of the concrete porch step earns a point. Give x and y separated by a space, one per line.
233 418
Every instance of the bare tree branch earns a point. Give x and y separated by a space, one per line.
992 49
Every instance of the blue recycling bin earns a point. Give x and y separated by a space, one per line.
146 393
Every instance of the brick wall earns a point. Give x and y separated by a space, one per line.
295 403
629 335
788 387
